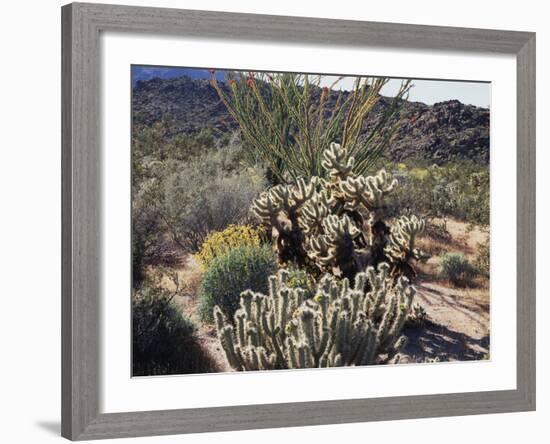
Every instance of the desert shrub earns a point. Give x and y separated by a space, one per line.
483 258
228 275
175 205
477 201
456 268
163 340
445 200
457 189
162 140
300 278
339 326
185 146
287 120
219 243
149 243
151 140
438 231
183 187
207 195
157 157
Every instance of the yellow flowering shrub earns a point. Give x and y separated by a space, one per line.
419 173
401 167
220 242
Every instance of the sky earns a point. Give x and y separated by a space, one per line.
433 91
426 91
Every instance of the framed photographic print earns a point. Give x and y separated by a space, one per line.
278 221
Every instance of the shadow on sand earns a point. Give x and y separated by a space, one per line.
439 341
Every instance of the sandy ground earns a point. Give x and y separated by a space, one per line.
459 321
458 324
189 274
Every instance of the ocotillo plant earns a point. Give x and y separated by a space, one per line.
288 120
340 326
337 225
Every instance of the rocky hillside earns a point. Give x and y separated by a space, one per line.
441 132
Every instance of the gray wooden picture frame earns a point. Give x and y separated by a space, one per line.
81 171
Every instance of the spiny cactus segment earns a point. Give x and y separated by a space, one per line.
340 326
338 224
400 248
337 162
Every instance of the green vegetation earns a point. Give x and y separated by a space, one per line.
219 243
458 189
287 121
241 268
206 195
163 340
300 278
160 141
456 268
340 326
182 195
483 258
148 243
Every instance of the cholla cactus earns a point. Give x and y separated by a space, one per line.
338 224
336 162
400 248
418 316
339 326
367 191
335 245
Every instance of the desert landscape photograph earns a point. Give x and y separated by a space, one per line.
299 220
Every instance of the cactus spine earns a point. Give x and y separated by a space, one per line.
339 326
